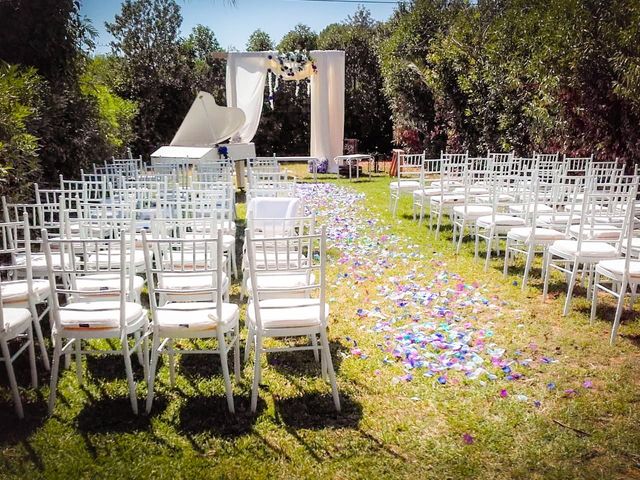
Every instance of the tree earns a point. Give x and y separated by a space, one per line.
20 102
367 113
300 38
259 41
53 38
208 72
156 71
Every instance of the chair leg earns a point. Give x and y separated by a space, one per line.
314 342
127 365
256 373
145 356
547 274
77 345
572 283
151 379
594 297
38 330
138 349
234 263
461 234
172 364
32 358
438 222
505 268
476 247
489 246
247 345
531 253
332 374
15 393
224 362
55 366
616 321
236 354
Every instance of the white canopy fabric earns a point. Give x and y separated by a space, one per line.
208 123
327 106
246 76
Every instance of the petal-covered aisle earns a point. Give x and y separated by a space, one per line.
428 321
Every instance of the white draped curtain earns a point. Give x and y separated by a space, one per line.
246 76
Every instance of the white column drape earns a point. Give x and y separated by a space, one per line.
246 75
327 106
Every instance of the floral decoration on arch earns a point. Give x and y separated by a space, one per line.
296 65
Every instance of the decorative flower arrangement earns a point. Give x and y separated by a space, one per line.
322 166
295 65
223 151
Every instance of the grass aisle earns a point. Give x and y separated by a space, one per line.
445 371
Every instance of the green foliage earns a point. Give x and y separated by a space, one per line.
367 114
20 94
155 67
300 38
52 38
208 73
259 41
116 113
516 74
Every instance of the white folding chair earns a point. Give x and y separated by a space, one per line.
280 315
623 273
410 177
83 318
195 308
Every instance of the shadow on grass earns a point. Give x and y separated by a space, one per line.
196 366
211 414
316 411
114 415
303 363
14 430
110 367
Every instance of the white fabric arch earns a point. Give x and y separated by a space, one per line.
246 76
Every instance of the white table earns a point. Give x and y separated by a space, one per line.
350 160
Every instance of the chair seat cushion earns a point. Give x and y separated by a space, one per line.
277 281
520 208
18 291
105 283
39 261
287 312
617 267
426 192
405 185
472 211
98 315
447 199
588 249
559 219
596 232
16 321
179 318
541 234
112 259
183 282
500 220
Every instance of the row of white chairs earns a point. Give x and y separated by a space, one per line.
575 212
98 254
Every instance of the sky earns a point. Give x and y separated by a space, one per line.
232 24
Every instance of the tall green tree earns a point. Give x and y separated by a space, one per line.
259 41
208 72
367 113
53 38
156 71
300 38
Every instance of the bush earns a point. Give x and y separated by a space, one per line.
20 98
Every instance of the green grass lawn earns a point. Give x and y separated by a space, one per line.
548 423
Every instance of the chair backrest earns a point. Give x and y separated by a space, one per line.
297 255
78 258
259 208
410 165
577 165
501 163
263 164
177 257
